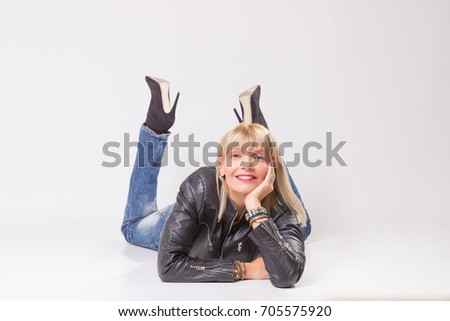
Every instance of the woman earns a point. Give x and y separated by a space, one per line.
239 220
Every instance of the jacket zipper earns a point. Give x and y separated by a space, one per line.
204 268
239 245
276 239
210 245
228 233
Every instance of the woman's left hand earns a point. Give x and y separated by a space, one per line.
254 198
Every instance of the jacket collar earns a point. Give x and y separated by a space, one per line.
230 212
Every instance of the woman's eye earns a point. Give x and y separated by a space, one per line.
259 157
234 155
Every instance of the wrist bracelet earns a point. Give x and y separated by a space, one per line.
239 270
241 264
257 217
254 212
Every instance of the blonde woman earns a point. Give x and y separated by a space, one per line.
239 220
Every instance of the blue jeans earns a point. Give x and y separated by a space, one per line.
304 229
143 222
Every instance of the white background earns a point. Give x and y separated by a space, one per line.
374 73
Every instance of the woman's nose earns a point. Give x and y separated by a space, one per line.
248 161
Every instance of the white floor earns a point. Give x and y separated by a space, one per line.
68 262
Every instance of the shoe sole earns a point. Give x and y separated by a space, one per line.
165 87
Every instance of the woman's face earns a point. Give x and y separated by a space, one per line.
244 168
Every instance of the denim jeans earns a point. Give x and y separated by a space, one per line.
143 222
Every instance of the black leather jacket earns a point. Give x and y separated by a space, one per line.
195 247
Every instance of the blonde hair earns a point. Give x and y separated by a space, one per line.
244 133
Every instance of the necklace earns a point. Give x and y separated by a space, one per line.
239 217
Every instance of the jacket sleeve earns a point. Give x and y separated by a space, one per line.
282 247
174 263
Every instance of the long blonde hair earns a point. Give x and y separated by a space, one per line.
282 187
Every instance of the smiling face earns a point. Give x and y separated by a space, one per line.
244 156
244 168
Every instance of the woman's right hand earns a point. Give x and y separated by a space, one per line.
254 198
256 270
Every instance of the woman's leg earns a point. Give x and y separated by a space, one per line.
305 229
143 222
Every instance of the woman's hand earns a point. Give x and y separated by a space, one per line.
256 270
254 198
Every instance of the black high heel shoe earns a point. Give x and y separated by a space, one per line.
251 111
160 116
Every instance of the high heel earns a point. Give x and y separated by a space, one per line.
251 111
237 115
160 116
